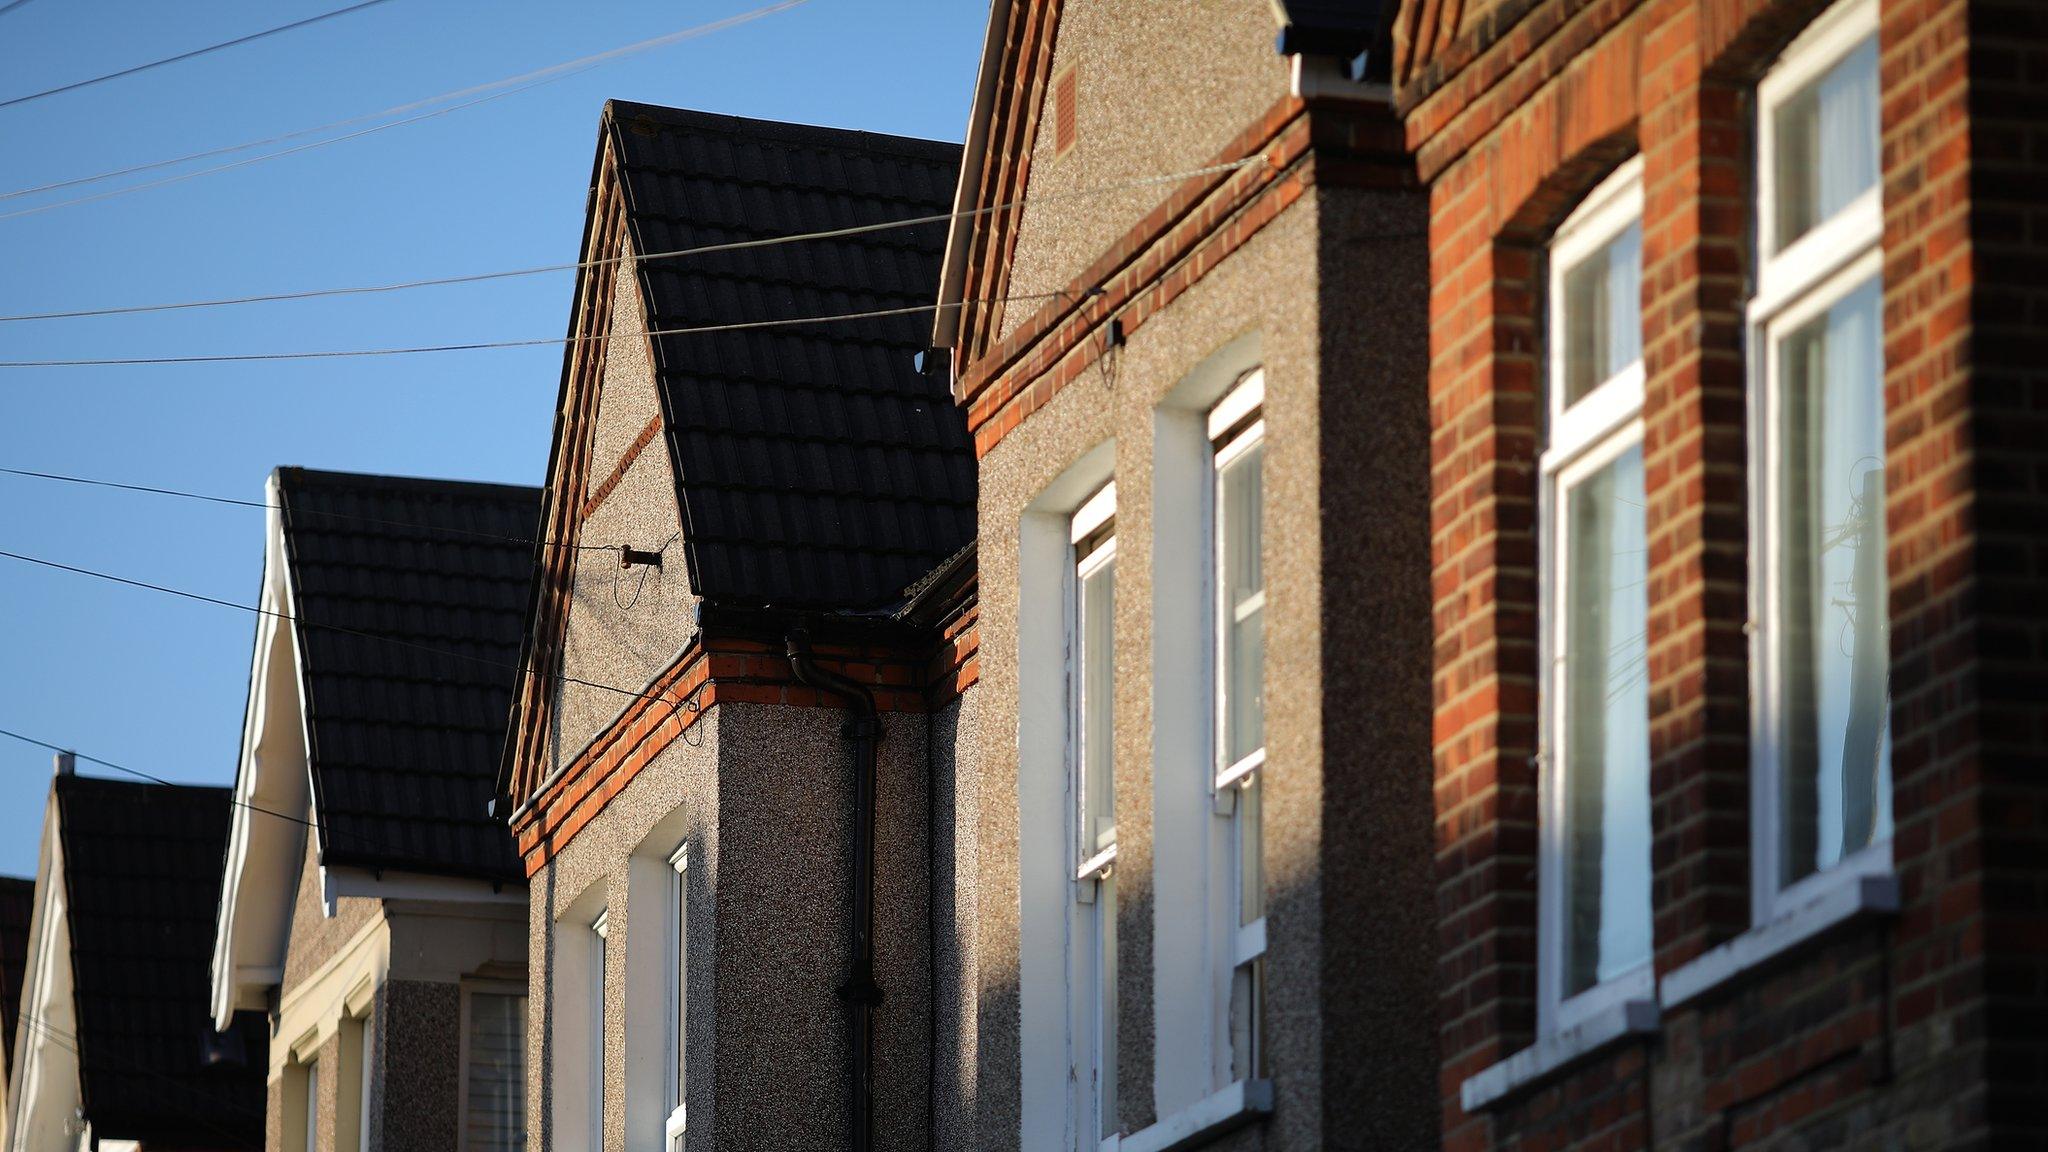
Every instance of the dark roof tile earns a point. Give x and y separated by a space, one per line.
142 866
17 905
815 466
406 739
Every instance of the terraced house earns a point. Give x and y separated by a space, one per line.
367 905
113 1047
1449 577
729 864
1736 459
1187 323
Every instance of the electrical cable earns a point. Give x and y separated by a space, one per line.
342 353
562 677
139 774
193 54
450 529
510 85
698 250
10 6
243 163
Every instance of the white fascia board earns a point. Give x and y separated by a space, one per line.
43 1093
953 268
253 922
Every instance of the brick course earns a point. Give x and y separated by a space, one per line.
1928 1030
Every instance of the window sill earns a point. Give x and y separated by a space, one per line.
1829 910
1559 1050
1204 1120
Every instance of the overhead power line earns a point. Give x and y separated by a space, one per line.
495 89
679 705
672 254
193 54
10 6
420 349
139 774
183 495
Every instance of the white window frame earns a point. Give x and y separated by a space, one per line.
1582 437
469 990
600 936
1814 273
1236 425
366 1045
677 983
1092 935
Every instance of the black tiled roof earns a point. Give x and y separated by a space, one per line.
405 736
17 904
816 467
142 865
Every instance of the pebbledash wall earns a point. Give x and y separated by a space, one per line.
1922 1027
1306 263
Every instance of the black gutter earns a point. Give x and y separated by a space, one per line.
860 991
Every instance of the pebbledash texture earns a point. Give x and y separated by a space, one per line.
1451 584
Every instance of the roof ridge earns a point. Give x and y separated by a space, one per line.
424 483
616 111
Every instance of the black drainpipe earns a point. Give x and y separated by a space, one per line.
860 991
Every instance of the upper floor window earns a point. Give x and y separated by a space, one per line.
1821 642
1594 867
677 990
1092 665
1237 432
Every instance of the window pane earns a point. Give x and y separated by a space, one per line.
1834 634
683 982
1826 144
1247 1003
1244 597
1606 770
1098 690
496 1118
1603 303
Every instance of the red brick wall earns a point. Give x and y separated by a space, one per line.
1884 1031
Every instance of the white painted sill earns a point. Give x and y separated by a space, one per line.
1204 1120
1558 1051
1830 909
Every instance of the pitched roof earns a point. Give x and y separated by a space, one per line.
17 904
816 467
141 866
405 737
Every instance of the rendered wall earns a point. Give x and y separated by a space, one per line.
624 625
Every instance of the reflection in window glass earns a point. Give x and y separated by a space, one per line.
1098 681
495 1118
1603 331
1094 629
1826 144
1244 600
1833 632
1606 772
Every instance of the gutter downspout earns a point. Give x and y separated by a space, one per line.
860 991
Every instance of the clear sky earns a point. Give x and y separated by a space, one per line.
158 683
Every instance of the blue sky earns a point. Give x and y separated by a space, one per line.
158 683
